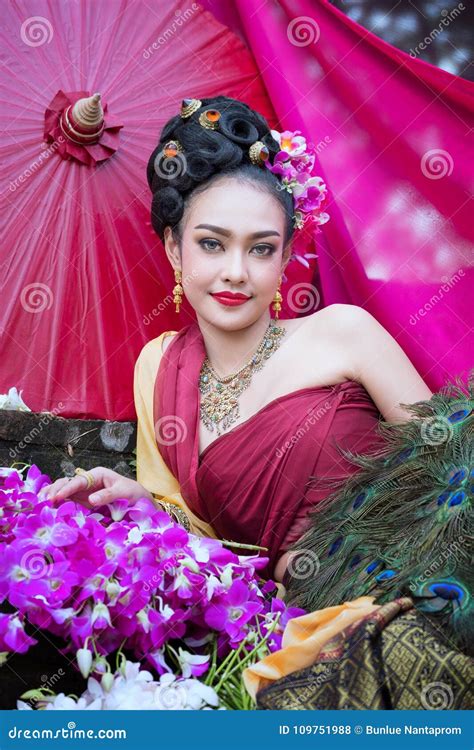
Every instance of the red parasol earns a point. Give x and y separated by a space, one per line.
86 281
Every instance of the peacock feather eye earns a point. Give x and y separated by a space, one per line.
355 561
447 590
385 575
335 545
443 497
359 500
373 566
457 498
400 457
458 416
457 476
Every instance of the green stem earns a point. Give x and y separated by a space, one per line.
212 669
173 654
227 543
120 655
231 669
230 658
19 463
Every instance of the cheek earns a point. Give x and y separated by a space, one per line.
266 279
199 274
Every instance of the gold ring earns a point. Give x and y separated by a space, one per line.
89 478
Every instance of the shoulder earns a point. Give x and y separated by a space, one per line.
167 338
374 359
344 315
340 320
342 328
151 353
348 326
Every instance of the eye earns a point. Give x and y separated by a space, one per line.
268 249
205 244
260 250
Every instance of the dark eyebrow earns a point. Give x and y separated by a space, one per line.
226 233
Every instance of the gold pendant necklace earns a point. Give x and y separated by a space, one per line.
219 406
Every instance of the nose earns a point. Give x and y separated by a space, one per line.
235 268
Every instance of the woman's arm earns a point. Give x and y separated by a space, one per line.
379 363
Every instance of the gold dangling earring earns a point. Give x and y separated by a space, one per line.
178 289
277 299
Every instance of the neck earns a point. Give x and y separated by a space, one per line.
228 351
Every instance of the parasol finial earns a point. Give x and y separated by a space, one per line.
83 122
88 113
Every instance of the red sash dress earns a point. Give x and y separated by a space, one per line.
258 481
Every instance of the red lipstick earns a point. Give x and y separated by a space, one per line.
230 299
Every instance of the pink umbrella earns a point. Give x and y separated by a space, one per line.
86 281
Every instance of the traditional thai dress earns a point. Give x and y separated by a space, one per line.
257 482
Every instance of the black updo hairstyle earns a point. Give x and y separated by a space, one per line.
208 156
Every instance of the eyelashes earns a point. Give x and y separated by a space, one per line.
269 249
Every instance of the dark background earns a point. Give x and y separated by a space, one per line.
405 24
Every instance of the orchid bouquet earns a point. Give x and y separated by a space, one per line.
128 577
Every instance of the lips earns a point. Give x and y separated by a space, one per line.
230 295
230 300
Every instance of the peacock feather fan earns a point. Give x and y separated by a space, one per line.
402 524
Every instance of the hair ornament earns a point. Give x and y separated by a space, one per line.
294 164
210 119
258 153
189 106
172 148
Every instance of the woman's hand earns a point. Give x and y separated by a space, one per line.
108 486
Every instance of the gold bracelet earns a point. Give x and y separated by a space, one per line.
177 514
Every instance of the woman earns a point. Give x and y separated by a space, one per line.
283 396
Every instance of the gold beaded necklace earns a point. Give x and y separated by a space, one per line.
219 407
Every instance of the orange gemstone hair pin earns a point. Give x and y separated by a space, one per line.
210 119
172 148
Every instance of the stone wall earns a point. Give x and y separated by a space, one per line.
58 445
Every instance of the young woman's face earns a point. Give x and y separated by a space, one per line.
232 242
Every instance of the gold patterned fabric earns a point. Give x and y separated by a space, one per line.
394 659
